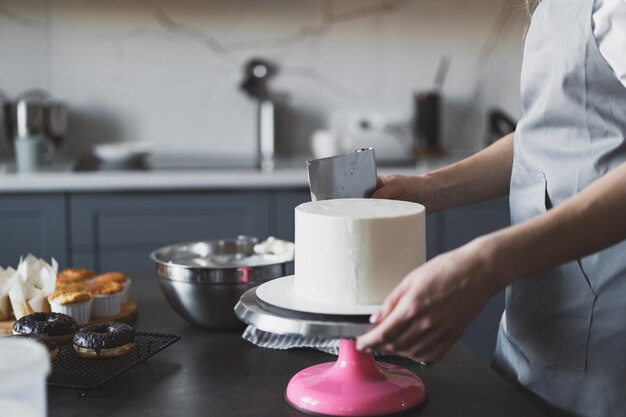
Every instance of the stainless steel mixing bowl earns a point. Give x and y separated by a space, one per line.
204 280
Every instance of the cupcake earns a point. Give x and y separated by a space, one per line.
76 304
70 285
74 275
120 277
107 298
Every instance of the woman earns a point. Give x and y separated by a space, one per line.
563 261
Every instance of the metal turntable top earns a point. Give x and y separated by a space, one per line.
252 310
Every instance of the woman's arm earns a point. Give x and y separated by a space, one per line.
431 307
480 177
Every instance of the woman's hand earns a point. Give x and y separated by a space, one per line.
429 310
399 187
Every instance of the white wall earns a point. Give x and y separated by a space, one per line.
167 72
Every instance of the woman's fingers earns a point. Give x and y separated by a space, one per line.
424 331
391 187
396 314
425 344
390 302
389 329
421 331
432 306
433 351
406 188
415 337
384 179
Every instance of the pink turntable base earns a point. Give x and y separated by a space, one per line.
355 385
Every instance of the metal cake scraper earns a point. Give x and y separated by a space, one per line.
351 175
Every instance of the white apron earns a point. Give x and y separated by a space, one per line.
563 334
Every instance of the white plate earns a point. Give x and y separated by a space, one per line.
280 292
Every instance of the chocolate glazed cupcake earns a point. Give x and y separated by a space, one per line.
104 340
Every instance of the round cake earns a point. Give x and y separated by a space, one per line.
355 251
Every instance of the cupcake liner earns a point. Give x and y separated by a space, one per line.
126 288
81 312
107 305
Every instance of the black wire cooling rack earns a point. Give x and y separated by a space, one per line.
71 371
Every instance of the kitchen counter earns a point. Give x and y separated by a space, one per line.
288 174
219 374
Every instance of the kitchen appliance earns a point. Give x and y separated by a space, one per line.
499 125
390 134
355 384
203 280
351 175
258 72
427 120
35 112
325 143
32 152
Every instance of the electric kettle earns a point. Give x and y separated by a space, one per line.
35 112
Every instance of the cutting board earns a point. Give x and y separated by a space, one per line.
128 314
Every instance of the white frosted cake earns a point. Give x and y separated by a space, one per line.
355 251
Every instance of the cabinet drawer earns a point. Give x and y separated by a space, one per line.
284 203
463 224
140 220
32 224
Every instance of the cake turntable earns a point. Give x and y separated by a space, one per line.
354 385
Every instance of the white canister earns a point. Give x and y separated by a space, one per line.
325 143
24 366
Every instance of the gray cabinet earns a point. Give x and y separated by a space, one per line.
35 223
434 227
461 225
118 231
283 215
282 218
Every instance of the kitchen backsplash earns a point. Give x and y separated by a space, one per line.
168 72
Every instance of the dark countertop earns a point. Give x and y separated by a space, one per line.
219 374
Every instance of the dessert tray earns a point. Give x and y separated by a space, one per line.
71 371
354 385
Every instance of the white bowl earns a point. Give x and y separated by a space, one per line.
121 153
